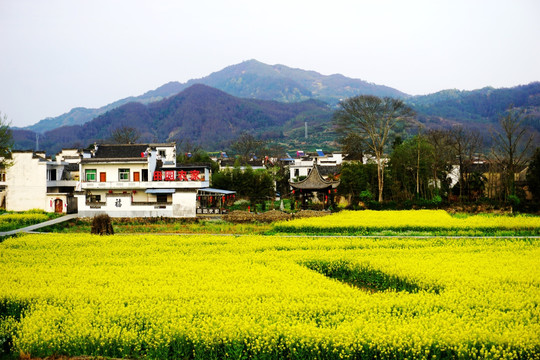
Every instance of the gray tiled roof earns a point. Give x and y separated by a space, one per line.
121 151
314 181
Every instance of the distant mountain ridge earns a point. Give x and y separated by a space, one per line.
249 79
211 118
200 114
478 108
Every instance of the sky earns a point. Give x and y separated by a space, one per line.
56 55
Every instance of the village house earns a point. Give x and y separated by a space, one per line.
300 167
139 180
35 181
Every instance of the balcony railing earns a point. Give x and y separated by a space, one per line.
62 183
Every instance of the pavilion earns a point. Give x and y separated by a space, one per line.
314 189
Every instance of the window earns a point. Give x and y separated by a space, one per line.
161 153
144 174
52 174
161 198
123 174
91 174
93 198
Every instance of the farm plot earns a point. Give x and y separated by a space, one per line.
15 221
269 297
430 221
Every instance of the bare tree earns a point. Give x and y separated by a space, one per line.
511 147
443 152
372 119
465 143
6 139
247 146
125 135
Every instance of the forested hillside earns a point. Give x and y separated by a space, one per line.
200 114
249 79
479 108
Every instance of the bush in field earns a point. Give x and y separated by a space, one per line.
102 225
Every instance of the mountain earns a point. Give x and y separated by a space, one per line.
249 79
200 115
81 115
253 79
479 109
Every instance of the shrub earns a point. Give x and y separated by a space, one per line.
102 225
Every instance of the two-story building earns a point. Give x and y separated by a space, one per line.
139 180
35 181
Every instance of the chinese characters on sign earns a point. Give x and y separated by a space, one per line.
180 175
118 203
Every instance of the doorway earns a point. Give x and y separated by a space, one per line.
58 206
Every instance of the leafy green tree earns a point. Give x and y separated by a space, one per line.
353 145
372 119
197 157
355 179
223 179
261 188
411 166
255 185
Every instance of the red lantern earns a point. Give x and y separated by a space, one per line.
110 191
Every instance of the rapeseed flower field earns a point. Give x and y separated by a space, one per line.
270 297
409 220
16 220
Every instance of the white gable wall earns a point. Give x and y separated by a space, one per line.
26 181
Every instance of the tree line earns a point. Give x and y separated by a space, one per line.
421 166
405 163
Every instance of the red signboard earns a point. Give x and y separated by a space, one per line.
180 175
169 175
194 175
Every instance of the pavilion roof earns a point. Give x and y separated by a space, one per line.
314 181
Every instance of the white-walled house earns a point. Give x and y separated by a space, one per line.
139 180
301 167
34 181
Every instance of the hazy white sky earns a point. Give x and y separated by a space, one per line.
61 54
